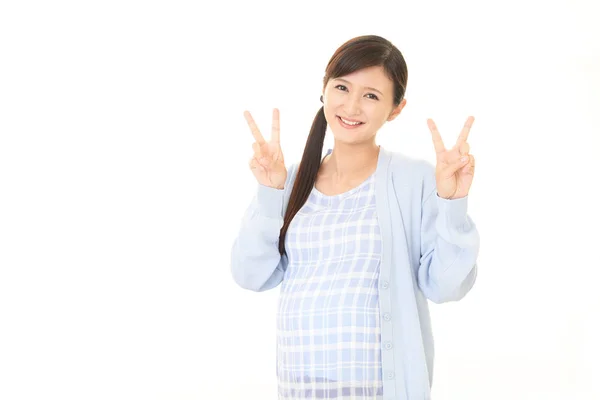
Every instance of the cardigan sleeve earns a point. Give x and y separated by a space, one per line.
255 260
449 249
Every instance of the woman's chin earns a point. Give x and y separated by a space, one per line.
344 137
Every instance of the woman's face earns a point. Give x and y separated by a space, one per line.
365 96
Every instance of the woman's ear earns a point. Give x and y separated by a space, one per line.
396 111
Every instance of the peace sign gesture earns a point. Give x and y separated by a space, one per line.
455 167
267 163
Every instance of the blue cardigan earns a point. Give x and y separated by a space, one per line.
430 248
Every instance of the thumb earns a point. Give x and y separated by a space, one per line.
455 166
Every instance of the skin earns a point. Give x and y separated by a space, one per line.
267 163
366 96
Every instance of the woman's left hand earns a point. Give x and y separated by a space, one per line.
455 167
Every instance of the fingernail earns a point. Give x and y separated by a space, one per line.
463 159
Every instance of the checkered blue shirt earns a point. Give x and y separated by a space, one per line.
328 331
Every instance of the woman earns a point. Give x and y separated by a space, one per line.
359 239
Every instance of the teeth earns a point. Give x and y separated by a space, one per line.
349 122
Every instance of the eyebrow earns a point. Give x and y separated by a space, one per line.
367 87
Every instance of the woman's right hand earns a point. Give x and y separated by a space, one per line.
267 163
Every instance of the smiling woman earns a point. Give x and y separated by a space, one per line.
346 98
359 239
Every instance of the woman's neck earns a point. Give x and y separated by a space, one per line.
350 162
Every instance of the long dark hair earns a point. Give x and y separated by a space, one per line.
356 54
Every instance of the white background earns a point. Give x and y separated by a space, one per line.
123 179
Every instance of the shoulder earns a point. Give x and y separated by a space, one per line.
413 174
410 167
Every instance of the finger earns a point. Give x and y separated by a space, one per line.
463 148
438 143
275 128
464 134
253 164
255 132
472 164
455 166
260 158
256 163
468 168
265 162
257 151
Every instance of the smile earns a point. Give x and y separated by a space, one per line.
348 124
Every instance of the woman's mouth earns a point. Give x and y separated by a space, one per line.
348 124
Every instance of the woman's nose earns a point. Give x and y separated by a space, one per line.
352 106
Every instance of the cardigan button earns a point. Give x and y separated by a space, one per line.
387 316
385 285
388 345
390 375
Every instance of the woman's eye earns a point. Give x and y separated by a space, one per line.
342 87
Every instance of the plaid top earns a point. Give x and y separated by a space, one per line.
328 331
429 250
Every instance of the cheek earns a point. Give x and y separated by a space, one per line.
375 113
329 114
331 108
334 100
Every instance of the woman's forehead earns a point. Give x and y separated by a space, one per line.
372 77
